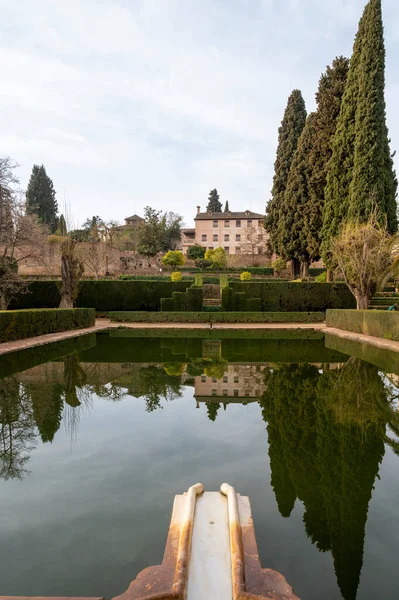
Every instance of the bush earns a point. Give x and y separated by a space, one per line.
315 271
190 300
216 317
287 296
280 265
246 276
19 324
322 278
378 323
176 276
195 252
174 258
202 263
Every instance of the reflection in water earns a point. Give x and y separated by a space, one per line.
326 436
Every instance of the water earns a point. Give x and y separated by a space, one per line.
95 443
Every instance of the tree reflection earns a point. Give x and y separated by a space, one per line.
326 440
212 410
17 429
156 385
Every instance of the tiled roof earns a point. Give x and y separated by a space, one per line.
189 230
226 216
134 217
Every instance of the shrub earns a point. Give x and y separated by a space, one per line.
202 263
216 317
246 276
322 278
174 258
176 276
216 257
279 265
195 252
19 324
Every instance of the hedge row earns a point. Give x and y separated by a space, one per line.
18 324
286 296
384 359
102 295
217 317
378 323
190 300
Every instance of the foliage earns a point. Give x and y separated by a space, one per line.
362 253
214 204
215 317
245 276
378 323
212 409
71 272
19 324
322 278
40 197
216 257
202 263
226 206
360 174
94 256
288 136
160 232
279 265
195 252
156 385
176 276
174 258
174 369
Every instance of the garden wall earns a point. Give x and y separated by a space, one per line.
378 323
19 324
286 296
216 317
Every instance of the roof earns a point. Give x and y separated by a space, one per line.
134 217
189 230
226 216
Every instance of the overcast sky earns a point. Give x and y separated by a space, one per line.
154 102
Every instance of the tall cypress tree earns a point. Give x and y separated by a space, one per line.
288 135
360 173
226 206
40 197
214 204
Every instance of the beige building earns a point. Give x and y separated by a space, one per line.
240 383
236 232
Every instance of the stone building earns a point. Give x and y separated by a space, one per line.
239 233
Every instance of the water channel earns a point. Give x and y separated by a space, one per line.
99 433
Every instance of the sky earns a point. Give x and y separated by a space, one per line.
135 103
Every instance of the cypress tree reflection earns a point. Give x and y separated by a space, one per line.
326 440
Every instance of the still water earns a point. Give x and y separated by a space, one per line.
97 435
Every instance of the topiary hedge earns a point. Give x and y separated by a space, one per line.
217 317
19 324
103 295
378 323
287 296
190 300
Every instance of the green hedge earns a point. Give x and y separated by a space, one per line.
19 324
217 317
378 323
314 272
384 359
287 296
190 300
103 295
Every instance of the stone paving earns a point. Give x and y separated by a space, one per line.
105 325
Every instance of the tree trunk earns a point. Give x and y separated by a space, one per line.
295 268
330 275
362 301
305 269
71 272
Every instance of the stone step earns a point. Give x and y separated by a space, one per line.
211 301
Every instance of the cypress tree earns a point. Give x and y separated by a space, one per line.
214 204
288 135
40 197
360 173
226 206
62 226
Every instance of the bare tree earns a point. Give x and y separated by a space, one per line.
362 253
255 241
94 256
71 273
22 237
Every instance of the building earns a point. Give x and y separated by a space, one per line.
236 232
135 221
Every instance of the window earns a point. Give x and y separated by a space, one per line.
226 237
238 237
215 223
238 250
236 393
210 247
224 392
249 223
215 237
204 237
260 237
214 380
227 249
214 392
225 379
235 378
227 223
238 223
247 394
260 223
203 378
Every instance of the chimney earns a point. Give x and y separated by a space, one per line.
198 210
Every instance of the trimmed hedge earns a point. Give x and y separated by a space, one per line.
103 295
378 323
190 300
286 296
384 359
217 317
19 324
314 272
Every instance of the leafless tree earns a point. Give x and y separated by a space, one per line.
255 241
94 256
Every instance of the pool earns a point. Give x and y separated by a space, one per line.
97 435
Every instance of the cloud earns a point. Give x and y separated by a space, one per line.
143 102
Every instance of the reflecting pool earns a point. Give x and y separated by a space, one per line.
97 435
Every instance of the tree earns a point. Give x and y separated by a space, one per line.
214 204
22 237
216 257
174 258
212 410
195 252
226 206
171 228
40 198
360 173
362 253
254 241
94 256
71 272
62 227
288 136
160 232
